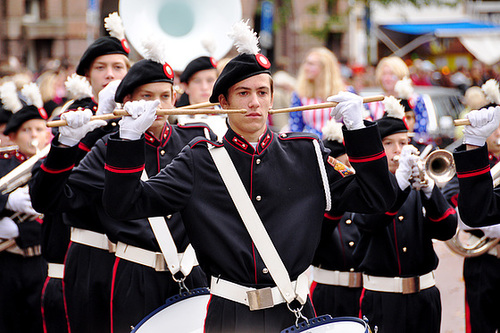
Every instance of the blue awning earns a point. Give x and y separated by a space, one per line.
444 29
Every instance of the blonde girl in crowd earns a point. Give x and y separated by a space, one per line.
319 77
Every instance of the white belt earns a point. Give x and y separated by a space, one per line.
337 278
144 257
408 285
256 299
56 271
92 238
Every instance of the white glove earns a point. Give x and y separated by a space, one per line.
107 102
350 109
142 115
426 189
79 125
482 123
8 228
20 201
407 166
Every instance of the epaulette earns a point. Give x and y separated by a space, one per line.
298 136
200 140
192 125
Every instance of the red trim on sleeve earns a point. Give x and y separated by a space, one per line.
333 218
123 170
54 171
367 158
473 173
83 147
391 213
449 211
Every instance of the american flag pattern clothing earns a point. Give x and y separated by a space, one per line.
310 121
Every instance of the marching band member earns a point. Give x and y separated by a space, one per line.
88 268
198 79
337 283
23 270
272 170
481 273
138 284
395 250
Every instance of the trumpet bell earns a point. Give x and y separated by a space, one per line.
440 166
470 246
184 24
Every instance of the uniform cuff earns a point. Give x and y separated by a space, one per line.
470 163
60 158
125 155
364 145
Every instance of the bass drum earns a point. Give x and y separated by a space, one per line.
327 324
183 313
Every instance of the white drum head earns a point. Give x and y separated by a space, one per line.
327 324
180 314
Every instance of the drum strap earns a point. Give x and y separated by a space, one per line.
254 226
167 245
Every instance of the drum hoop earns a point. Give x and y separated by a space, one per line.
172 300
320 321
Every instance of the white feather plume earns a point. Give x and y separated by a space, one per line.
113 23
393 107
333 131
209 44
491 91
78 87
10 100
404 88
32 94
155 48
245 39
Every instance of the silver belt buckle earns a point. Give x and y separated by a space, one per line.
260 299
411 285
159 262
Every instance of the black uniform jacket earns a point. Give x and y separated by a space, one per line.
282 178
30 229
479 203
399 242
338 241
60 188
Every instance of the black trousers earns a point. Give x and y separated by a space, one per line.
227 316
337 301
138 290
53 311
482 293
21 283
394 312
87 288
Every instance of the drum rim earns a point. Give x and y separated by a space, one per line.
172 300
323 320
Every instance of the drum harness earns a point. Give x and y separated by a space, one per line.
265 297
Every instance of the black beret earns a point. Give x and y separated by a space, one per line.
101 46
4 114
337 148
391 125
28 112
238 69
406 104
198 64
142 72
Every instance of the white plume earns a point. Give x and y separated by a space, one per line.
245 39
10 100
113 23
333 131
155 48
393 107
32 94
78 87
404 88
209 44
491 91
